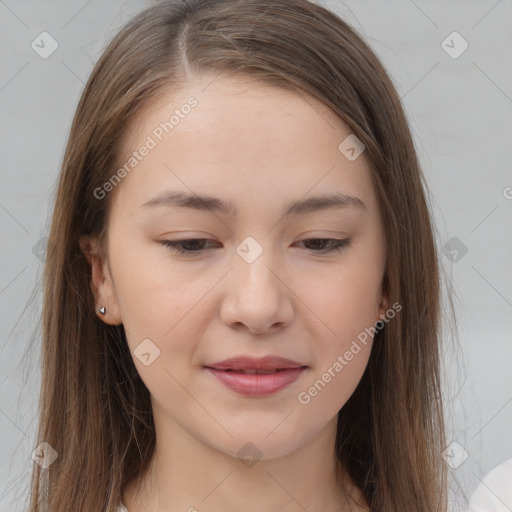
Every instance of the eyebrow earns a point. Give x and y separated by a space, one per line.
213 204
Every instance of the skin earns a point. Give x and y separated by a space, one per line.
259 147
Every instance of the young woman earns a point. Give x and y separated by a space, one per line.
241 290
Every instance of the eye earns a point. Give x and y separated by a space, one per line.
189 246
195 245
333 244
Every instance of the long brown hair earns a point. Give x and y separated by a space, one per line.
94 409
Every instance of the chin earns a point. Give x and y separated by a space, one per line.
256 443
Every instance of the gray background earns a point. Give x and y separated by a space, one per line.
460 110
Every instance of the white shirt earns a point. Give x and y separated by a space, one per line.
494 494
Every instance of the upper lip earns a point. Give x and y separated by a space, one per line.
252 363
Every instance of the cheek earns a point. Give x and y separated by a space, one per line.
173 320
344 301
152 292
159 305
343 341
346 311
330 386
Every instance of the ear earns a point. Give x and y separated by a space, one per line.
102 286
383 306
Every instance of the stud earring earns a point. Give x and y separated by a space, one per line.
102 310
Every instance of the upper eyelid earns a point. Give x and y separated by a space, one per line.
193 239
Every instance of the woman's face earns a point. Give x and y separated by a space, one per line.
258 286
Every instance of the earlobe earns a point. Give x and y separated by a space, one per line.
102 286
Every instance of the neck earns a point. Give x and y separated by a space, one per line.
187 474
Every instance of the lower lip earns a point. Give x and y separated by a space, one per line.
257 384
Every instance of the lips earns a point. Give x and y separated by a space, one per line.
268 364
256 377
252 371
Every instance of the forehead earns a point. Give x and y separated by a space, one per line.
223 136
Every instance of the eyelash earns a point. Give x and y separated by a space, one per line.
175 245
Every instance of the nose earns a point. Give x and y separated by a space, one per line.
257 298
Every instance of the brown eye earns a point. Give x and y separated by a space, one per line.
325 245
188 246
